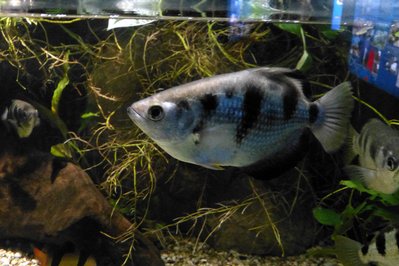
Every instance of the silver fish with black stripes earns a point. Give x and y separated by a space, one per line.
20 117
251 118
377 149
383 250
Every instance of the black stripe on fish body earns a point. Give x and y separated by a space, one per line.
380 244
299 76
229 93
290 91
290 101
251 108
362 140
209 103
365 249
313 113
183 104
373 151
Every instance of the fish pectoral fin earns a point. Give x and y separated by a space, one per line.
213 166
359 173
4 115
217 167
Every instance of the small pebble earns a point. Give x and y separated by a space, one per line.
183 252
8 258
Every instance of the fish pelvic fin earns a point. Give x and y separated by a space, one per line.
333 114
347 251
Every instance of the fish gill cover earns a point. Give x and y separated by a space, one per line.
81 79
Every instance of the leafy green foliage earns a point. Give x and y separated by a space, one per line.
373 205
305 62
61 86
327 216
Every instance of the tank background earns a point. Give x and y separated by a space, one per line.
110 74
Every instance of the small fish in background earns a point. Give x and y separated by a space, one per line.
383 250
21 117
252 119
62 259
377 149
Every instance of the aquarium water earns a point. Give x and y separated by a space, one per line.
373 55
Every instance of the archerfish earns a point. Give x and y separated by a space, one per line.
377 150
383 250
21 117
252 119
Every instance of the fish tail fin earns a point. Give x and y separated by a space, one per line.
333 114
347 251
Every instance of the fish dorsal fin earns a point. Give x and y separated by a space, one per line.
280 74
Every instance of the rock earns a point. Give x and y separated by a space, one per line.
247 229
53 201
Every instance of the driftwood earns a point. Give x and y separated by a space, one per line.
46 199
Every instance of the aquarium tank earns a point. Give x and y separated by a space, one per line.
82 182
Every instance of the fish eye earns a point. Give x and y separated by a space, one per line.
392 163
155 113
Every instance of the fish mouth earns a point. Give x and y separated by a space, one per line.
134 114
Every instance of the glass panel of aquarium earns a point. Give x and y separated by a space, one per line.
375 46
374 50
321 11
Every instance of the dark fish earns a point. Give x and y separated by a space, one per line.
61 258
254 117
21 117
383 250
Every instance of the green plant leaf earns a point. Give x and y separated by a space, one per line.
60 86
387 199
327 216
89 115
330 34
354 184
305 62
61 150
291 28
